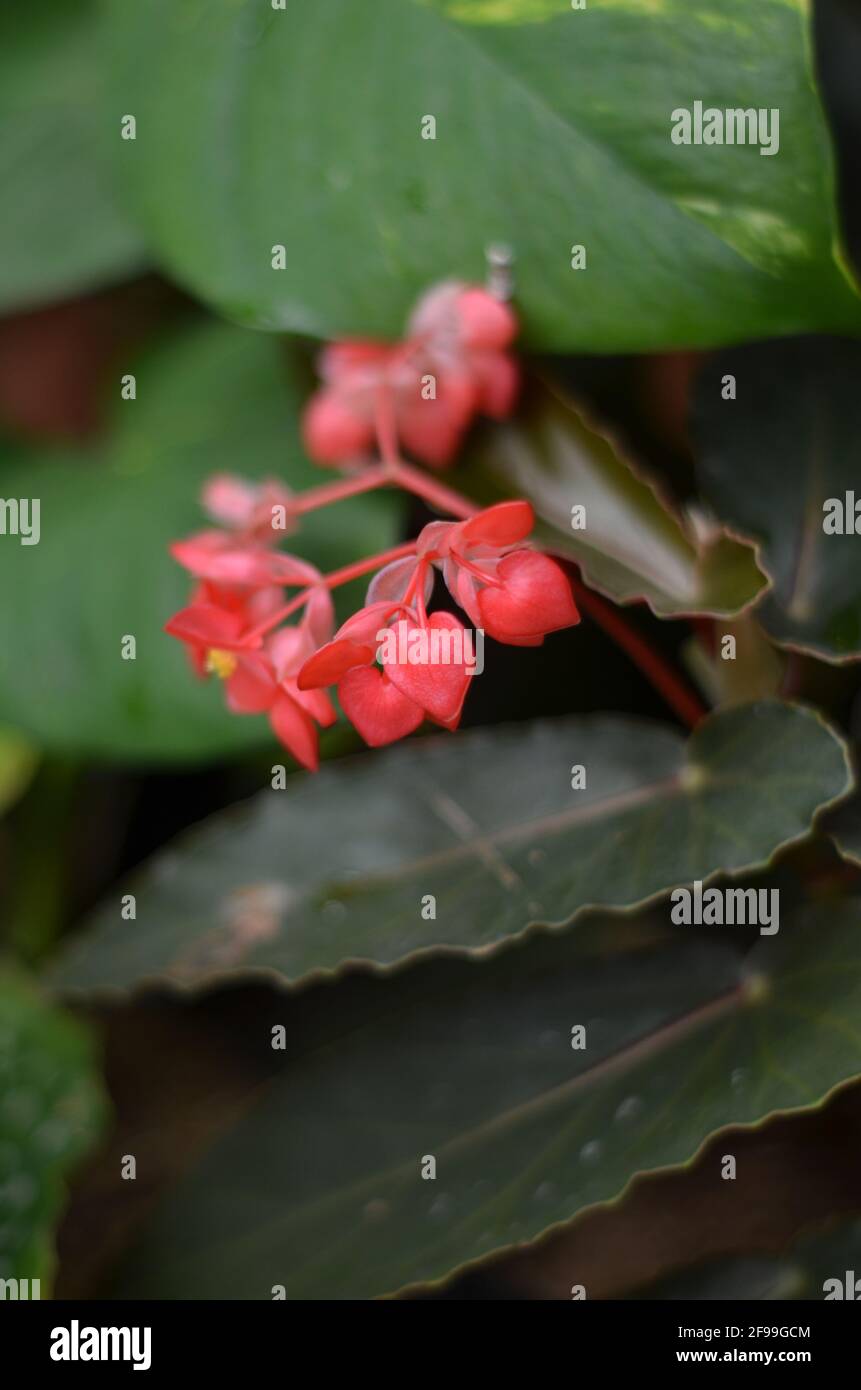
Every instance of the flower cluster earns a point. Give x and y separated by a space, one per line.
393 664
511 593
453 365
228 626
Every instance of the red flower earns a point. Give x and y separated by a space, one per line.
218 556
453 365
513 594
219 629
423 672
256 516
253 510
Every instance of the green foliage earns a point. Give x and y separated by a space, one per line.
51 1111
317 1185
282 138
62 229
215 400
338 868
17 764
431 925
770 461
630 542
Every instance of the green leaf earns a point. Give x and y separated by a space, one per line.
340 867
217 399
62 229
18 760
633 544
303 128
768 462
801 1273
843 824
51 1111
319 1185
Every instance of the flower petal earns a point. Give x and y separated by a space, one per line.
533 598
329 664
252 687
205 625
296 730
332 431
375 708
502 525
435 674
393 580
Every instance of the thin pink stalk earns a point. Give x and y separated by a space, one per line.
376 475
332 581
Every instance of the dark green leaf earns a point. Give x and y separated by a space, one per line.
319 1187
843 824
487 827
770 460
634 544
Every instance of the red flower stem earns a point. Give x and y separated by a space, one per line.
659 673
373 562
437 494
413 479
331 581
376 475
384 425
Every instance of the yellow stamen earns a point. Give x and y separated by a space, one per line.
219 663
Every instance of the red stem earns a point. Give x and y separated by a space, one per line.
377 475
437 494
373 562
332 581
660 674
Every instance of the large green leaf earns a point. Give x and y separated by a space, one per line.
302 127
62 230
217 399
51 1111
634 544
769 460
319 1186
340 867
